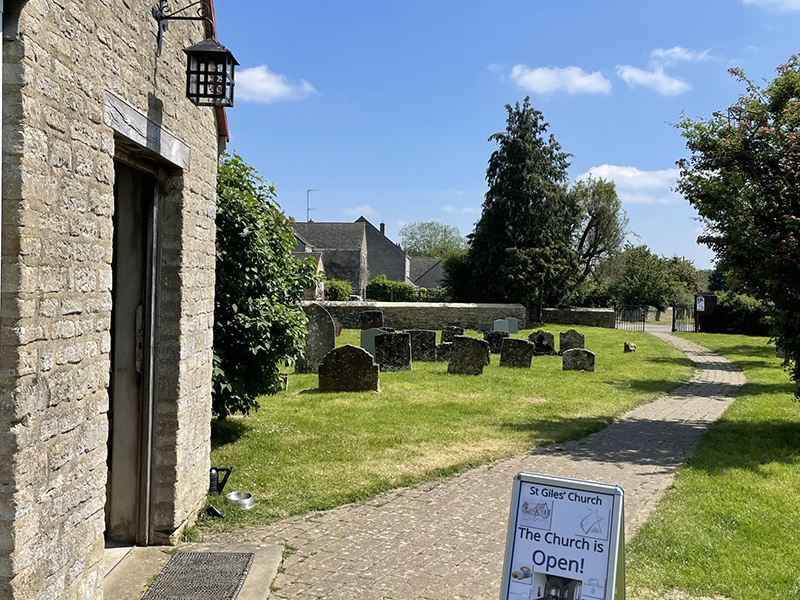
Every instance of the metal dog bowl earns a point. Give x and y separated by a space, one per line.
243 499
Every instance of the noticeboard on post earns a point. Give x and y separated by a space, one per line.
565 540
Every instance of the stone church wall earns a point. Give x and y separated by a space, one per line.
62 64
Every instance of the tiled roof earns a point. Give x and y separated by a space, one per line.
341 236
421 265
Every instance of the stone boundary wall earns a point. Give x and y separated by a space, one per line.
591 317
426 315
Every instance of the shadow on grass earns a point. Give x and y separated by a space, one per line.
673 360
747 445
666 444
227 431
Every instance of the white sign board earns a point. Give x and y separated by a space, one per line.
565 540
701 304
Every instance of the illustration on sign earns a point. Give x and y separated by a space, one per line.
560 540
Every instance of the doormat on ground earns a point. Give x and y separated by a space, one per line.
201 576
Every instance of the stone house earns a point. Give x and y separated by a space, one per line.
383 255
343 247
356 252
107 297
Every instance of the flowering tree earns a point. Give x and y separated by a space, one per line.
743 177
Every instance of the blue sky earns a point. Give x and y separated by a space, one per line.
384 108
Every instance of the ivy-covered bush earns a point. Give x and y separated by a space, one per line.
383 289
258 325
338 289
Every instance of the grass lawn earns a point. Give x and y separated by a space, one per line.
730 525
305 450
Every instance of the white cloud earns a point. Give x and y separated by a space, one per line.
676 54
360 211
658 80
572 80
635 186
464 210
778 5
259 84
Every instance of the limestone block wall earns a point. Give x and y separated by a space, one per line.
55 317
425 315
592 317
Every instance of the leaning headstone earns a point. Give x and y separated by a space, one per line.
629 347
337 325
368 339
320 338
495 339
371 319
393 351
577 359
500 325
443 351
513 324
544 343
567 340
423 344
349 369
467 355
450 331
516 353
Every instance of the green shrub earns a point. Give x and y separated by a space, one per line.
258 324
738 313
384 289
338 289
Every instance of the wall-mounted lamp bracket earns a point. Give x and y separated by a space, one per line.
164 14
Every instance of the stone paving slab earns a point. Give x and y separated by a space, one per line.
446 540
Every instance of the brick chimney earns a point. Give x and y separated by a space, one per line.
383 228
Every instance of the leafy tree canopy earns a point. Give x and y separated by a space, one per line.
743 177
642 279
257 324
432 238
604 223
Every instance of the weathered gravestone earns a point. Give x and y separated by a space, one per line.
337 325
629 347
779 353
513 324
468 355
443 351
451 331
544 343
516 353
423 344
495 340
371 319
577 359
320 338
349 369
567 340
500 325
393 351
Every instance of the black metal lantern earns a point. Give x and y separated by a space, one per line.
210 74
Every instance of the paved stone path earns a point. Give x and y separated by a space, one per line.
446 540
